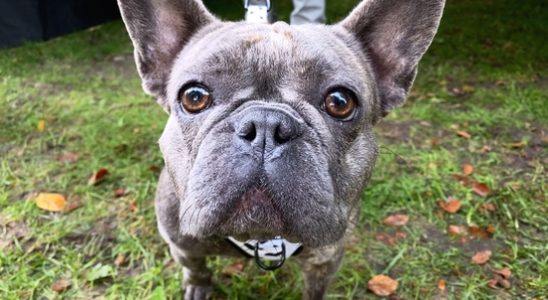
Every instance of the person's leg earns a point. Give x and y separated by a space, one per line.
308 11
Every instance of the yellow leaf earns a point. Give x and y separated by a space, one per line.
51 202
41 126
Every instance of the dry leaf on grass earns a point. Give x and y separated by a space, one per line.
463 134
504 272
451 205
232 269
68 157
382 285
120 260
467 169
481 189
51 202
479 232
455 230
98 176
481 257
442 284
61 285
490 207
119 192
396 220
41 126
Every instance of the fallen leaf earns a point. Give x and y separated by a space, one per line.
68 157
41 126
481 257
463 134
505 283
435 142
442 284
400 235
487 207
490 229
51 202
456 230
154 168
98 176
504 272
479 232
492 283
486 148
467 169
451 205
396 220
119 192
61 285
466 88
517 145
132 206
481 189
120 260
382 285
232 269
73 205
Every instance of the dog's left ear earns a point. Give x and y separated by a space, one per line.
394 34
159 29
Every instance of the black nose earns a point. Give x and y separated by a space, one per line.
266 129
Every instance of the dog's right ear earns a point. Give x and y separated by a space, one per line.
159 29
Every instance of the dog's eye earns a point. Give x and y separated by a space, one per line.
340 104
194 98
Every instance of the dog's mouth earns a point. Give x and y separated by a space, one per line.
255 215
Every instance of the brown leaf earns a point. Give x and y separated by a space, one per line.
396 220
232 269
505 283
442 284
98 176
492 283
487 207
463 134
481 189
120 260
435 142
490 229
456 230
61 285
132 206
154 169
119 192
451 205
467 169
504 272
465 180
382 285
517 145
51 202
481 257
68 157
73 205
486 148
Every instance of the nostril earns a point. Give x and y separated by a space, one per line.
281 136
250 134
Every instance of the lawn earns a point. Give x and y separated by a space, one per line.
74 105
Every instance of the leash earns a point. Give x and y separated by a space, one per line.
269 255
258 11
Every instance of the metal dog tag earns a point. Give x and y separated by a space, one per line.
257 11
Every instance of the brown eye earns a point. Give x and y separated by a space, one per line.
195 98
340 104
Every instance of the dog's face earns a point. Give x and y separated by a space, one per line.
270 126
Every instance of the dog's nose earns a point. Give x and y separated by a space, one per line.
266 129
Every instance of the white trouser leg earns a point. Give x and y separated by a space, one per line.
308 11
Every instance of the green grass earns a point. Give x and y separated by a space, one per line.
85 87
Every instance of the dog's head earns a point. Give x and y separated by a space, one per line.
270 126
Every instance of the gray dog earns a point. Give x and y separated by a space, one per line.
270 130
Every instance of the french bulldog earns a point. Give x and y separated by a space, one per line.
270 128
